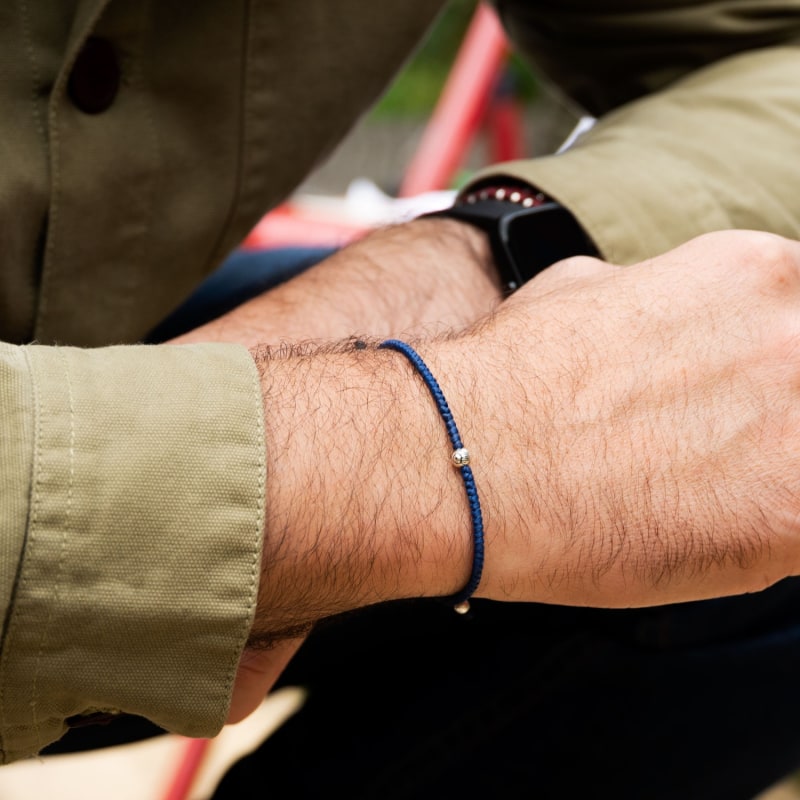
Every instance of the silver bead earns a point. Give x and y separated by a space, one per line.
462 607
460 457
515 197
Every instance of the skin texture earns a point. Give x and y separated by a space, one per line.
656 461
634 434
259 668
422 277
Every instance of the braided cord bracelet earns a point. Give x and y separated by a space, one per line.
460 459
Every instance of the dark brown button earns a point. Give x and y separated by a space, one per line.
95 78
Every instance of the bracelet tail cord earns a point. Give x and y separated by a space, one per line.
460 459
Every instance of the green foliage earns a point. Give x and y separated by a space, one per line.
417 88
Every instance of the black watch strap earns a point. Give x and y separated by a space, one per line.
527 232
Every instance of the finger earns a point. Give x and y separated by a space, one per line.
258 671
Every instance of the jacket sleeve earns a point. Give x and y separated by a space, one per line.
132 482
699 117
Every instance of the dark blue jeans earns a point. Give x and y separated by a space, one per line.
243 275
697 701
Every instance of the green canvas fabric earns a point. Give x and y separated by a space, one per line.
133 494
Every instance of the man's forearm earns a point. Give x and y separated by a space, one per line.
621 459
361 491
426 275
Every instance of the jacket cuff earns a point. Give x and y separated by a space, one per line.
137 569
695 158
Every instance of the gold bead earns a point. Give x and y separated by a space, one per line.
461 457
462 608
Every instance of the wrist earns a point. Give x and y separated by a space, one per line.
454 243
508 422
422 277
362 503
526 230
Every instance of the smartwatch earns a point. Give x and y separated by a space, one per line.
527 231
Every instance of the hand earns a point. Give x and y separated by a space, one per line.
636 431
429 275
635 437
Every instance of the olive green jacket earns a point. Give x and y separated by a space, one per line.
133 477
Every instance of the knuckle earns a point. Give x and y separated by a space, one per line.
773 258
775 250
764 261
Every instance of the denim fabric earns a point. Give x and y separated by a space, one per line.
245 274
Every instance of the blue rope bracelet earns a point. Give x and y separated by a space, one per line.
460 459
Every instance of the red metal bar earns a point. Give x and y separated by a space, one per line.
504 124
460 108
192 755
289 225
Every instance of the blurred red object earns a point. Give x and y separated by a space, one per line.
291 225
504 124
472 96
462 106
192 756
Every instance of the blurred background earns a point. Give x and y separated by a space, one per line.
462 101
382 145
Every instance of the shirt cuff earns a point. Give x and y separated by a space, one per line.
695 158
136 480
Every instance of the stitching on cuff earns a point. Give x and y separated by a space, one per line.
255 383
56 590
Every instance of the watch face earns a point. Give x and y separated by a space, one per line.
537 237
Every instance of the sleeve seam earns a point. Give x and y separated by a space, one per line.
63 543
